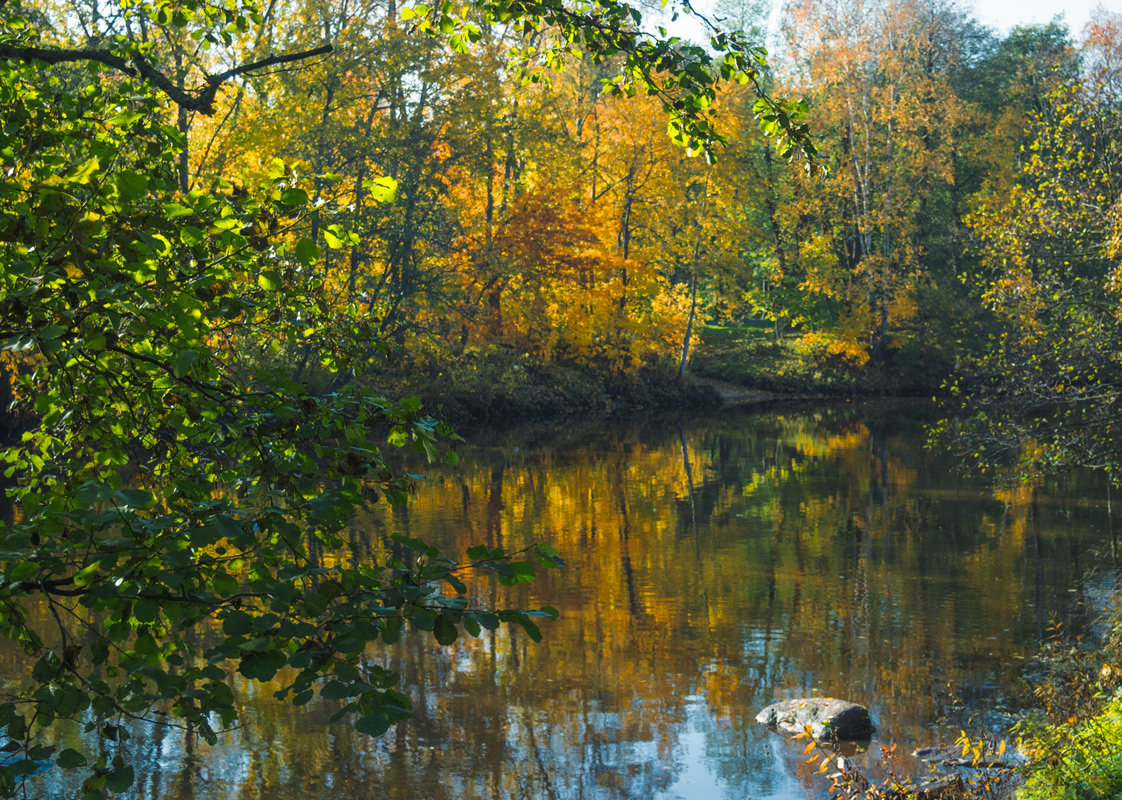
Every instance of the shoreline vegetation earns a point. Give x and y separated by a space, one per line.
732 365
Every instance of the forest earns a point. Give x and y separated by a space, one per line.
517 232
512 230
254 256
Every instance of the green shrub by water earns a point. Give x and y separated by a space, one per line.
751 356
493 384
1077 760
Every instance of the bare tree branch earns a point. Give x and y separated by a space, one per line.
200 100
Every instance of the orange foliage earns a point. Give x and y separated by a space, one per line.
881 94
548 285
1102 54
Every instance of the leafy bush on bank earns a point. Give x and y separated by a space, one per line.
488 385
1080 759
1074 740
750 356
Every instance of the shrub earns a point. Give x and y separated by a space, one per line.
1077 759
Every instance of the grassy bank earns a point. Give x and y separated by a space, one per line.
501 385
497 383
750 356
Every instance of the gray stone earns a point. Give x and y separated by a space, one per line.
937 789
829 719
989 758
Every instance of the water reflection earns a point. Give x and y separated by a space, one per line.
716 565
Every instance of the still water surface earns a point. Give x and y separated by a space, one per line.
715 565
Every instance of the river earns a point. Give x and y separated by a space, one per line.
715 564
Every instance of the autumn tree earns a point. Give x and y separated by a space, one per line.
1044 394
637 187
561 259
879 76
1008 82
1102 55
164 487
387 103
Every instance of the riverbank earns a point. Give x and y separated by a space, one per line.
500 385
1073 736
752 357
1058 738
730 366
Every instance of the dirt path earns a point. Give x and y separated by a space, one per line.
731 394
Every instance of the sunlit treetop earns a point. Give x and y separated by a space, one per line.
685 77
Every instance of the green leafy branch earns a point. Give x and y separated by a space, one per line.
685 77
181 488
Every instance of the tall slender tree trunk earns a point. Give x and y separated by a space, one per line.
771 205
685 359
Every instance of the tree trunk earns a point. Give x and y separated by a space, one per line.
689 329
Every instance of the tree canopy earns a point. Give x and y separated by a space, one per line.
219 226
1043 395
192 431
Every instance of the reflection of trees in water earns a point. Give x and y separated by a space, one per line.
714 567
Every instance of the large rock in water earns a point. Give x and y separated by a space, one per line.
828 718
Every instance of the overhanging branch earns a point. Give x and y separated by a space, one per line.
200 100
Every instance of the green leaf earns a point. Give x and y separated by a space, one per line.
70 758
391 631
384 190
336 236
131 185
472 626
90 494
134 498
337 690
184 360
294 197
190 235
145 610
120 777
445 630
261 665
225 586
85 172
269 281
548 557
514 573
306 251
532 630
423 618
374 725
482 553
26 766
176 210
236 622
487 619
